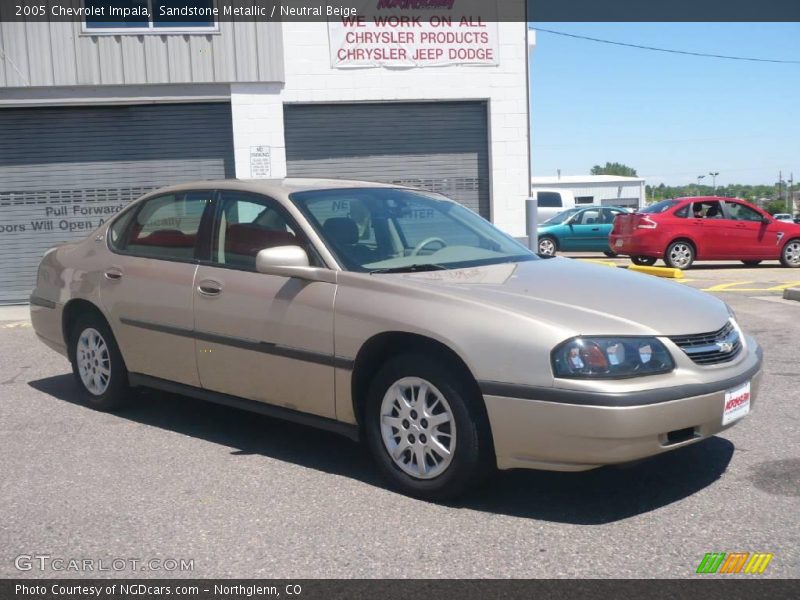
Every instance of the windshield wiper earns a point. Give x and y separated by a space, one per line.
415 268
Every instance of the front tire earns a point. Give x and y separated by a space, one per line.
425 428
548 246
679 255
643 261
790 255
610 254
97 363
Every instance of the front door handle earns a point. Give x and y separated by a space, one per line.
210 288
113 273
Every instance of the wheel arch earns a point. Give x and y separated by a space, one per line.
683 238
72 311
793 238
384 346
551 236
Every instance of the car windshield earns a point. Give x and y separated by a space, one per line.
394 230
658 207
561 217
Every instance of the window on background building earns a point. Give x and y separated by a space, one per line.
584 200
152 16
549 199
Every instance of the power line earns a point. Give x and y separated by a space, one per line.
668 50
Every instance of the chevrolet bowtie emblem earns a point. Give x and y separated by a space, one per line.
725 346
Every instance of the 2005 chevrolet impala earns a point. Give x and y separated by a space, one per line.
398 316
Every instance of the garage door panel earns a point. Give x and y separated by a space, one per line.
440 146
64 170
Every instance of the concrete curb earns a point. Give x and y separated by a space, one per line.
668 272
15 312
791 294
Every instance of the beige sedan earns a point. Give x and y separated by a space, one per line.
396 316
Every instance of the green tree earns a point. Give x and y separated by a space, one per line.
614 168
775 206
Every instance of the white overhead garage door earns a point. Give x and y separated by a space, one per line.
63 171
438 146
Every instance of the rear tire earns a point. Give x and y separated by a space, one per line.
97 363
643 261
443 429
547 246
679 255
751 263
790 255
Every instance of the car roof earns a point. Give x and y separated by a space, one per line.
702 198
283 186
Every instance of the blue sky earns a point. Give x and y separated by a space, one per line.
669 116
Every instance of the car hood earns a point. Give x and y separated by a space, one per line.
581 297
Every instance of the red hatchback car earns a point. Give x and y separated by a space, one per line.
683 230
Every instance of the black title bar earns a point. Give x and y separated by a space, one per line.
708 588
183 11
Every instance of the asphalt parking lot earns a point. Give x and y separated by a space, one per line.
247 496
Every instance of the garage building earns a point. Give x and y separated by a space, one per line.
92 117
606 190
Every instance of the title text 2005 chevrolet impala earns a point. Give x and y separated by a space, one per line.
396 315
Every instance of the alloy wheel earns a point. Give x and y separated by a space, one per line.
791 253
418 428
94 361
547 247
681 255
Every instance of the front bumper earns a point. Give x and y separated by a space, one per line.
561 436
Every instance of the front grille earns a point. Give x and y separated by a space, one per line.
711 348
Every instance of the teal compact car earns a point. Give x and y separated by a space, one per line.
579 230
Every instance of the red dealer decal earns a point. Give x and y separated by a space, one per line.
412 41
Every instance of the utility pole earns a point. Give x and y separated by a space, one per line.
780 185
789 199
699 177
714 175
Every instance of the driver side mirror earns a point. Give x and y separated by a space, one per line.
766 220
291 261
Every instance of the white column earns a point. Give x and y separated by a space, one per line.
257 110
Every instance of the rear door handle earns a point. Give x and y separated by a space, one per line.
210 288
113 273
595 229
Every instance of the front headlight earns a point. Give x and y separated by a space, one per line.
610 358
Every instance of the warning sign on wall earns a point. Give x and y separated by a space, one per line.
260 162
413 40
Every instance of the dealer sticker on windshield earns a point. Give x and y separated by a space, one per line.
737 403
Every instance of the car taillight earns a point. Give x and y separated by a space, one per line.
647 223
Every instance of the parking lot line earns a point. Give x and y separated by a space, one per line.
783 286
606 263
725 287
732 287
16 325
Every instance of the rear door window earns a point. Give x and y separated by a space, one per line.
166 227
